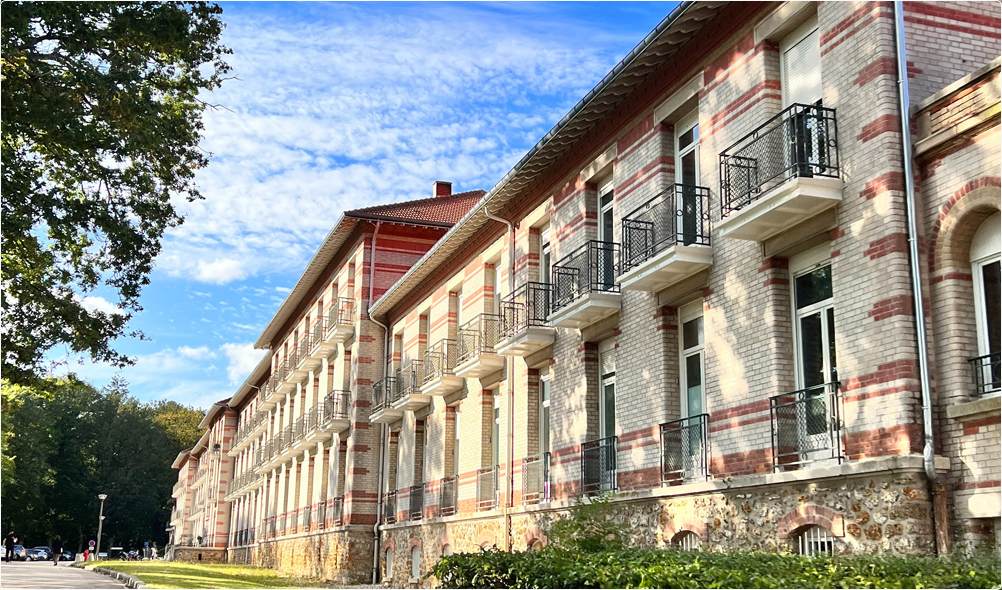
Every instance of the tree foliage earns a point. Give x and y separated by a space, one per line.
66 442
101 120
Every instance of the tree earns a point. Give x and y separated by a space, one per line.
101 121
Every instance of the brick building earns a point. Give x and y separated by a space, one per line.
695 293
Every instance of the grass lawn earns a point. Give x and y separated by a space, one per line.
163 574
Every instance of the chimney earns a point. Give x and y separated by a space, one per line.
440 188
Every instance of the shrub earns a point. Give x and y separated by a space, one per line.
555 567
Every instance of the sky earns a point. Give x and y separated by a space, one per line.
335 107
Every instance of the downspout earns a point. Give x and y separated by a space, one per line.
509 472
382 429
940 510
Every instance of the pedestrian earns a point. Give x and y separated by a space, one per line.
153 551
8 544
57 549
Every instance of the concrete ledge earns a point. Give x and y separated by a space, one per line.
984 405
129 580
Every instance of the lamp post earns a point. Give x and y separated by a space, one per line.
100 525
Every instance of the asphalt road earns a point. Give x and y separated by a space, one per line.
42 574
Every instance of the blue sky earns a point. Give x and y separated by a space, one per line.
339 106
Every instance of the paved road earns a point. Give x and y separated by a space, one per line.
41 574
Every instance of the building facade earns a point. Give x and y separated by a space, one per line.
695 294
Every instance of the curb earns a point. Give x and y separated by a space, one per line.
129 580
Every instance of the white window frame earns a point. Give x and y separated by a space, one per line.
606 346
687 313
459 308
982 254
605 188
684 124
545 382
799 265
545 253
788 42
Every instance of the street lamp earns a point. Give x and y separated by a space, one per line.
100 525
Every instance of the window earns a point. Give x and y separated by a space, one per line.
815 540
415 562
687 541
544 255
607 390
496 430
389 564
446 550
691 336
544 414
605 218
985 270
801 67
459 308
687 175
455 449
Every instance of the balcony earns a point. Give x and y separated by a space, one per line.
987 372
310 357
179 488
340 321
389 507
302 361
667 239
286 382
782 174
584 285
439 368
333 415
806 427
448 495
477 339
536 479
410 377
416 502
598 465
487 488
383 395
268 398
525 326
320 347
685 453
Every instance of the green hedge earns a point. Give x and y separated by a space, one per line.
561 568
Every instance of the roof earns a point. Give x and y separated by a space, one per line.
181 458
444 210
201 445
250 384
685 21
215 409
439 212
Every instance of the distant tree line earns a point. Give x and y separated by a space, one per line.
64 442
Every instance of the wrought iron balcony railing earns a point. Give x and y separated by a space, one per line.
286 437
384 393
299 429
303 349
410 378
440 359
337 406
536 479
806 426
680 214
598 465
528 305
685 454
987 374
478 336
448 494
342 313
593 267
416 502
487 488
800 142
390 507
318 331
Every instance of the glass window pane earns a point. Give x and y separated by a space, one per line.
814 287
609 410
692 333
694 383
990 276
812 350
688 172
544 417
833 367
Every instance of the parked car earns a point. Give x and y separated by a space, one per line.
47 550
19 553
35 554
66 556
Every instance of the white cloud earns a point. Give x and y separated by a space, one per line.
200 352
220 271
95 303
283 289
243 358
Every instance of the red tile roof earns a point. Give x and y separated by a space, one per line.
436 210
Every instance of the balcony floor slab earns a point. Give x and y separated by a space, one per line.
667 268
479 366
443 385
526 341
586 310
786 205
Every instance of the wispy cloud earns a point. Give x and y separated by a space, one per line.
243 358
95 303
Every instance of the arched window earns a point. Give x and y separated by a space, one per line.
389 564
687 541
536 545
985 270
815 540
415 562
446 550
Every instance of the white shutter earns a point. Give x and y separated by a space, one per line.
802 71
607 357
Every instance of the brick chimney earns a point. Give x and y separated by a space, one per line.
440 188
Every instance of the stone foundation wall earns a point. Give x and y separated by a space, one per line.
343 556
200 554
882 513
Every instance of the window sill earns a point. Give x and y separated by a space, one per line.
990 404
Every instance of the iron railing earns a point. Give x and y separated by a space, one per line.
589 268
487 488
416 502
313 418
286 437
318 331
680 214
528 305
337 406
440 359
987 374
448 494
299 429
478 336
806 426
390 507
337 511
598 465
801 141
303 350
384 393
685 453
536 479
410 377
341 313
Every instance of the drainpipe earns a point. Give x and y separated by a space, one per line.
509 472
940 509
382 427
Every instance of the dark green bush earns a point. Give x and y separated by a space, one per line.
555 567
